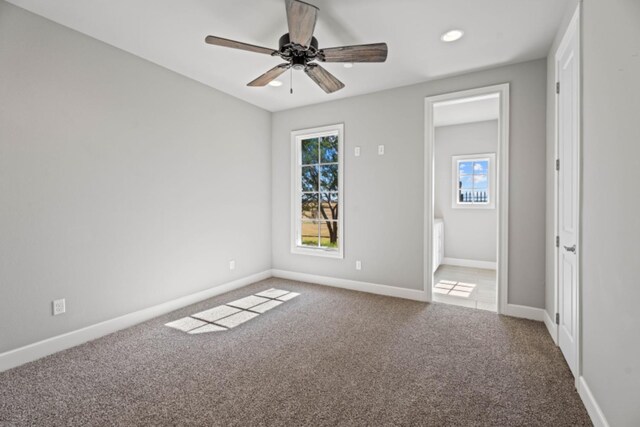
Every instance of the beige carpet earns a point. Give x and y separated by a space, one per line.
326 357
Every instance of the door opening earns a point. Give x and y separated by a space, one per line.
466 177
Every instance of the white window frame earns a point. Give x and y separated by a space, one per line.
296 191
491 175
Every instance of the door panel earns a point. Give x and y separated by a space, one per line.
567 62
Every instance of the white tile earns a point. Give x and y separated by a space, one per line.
460 294
185 324
216 313
236 319
490 306
247 302
287 297
207 328
261 308
272 293
468 285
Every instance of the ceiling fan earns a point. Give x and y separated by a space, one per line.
299 48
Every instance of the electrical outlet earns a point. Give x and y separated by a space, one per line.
59 306
232 265
357 151
358 265
380 150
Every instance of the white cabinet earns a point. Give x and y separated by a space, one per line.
438 243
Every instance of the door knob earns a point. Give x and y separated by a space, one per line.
570 248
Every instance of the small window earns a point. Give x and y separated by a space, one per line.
317 199
473 181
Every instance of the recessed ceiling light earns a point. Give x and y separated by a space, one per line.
348 65
275 83
451 36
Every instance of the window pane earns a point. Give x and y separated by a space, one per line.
309 151
329 234
329 178
480 182
309 204
309 233
481 167
329 206
465 168
329 149
466 182
309 178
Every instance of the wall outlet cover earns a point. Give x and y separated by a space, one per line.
380 150
356 152
232 265
59 306
358 265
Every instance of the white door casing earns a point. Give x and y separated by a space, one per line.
568 149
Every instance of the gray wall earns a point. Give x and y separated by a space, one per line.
122 184
610 251
468 233
384 194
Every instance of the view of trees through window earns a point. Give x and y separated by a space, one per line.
319 196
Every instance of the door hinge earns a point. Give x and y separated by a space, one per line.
557 164
557 318
557 241
557 87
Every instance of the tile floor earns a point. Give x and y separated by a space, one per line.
466 287
232 314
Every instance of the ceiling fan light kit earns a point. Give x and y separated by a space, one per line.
299 48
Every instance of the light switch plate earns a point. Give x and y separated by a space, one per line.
358 265
232 265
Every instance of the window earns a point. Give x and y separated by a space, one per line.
317 196
473 181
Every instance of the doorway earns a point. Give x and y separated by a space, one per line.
466 205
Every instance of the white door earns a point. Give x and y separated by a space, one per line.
568 67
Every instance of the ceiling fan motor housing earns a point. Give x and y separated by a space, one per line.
296 54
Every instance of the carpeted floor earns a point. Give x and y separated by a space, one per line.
327 357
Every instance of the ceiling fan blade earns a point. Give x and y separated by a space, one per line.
270 75
219 41
376 52
323 78
301 18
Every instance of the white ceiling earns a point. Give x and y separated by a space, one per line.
467 110
171 33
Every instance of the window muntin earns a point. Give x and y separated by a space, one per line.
317 205
473 181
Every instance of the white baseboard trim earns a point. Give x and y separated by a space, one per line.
524 312
596 414
354 285
28 353
551 327
469 263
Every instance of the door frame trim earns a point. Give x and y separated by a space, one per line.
502 168
573 29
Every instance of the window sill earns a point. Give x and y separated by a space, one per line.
472 206
324 253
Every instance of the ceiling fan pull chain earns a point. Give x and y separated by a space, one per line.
291 81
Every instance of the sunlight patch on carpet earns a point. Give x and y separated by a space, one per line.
232 314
